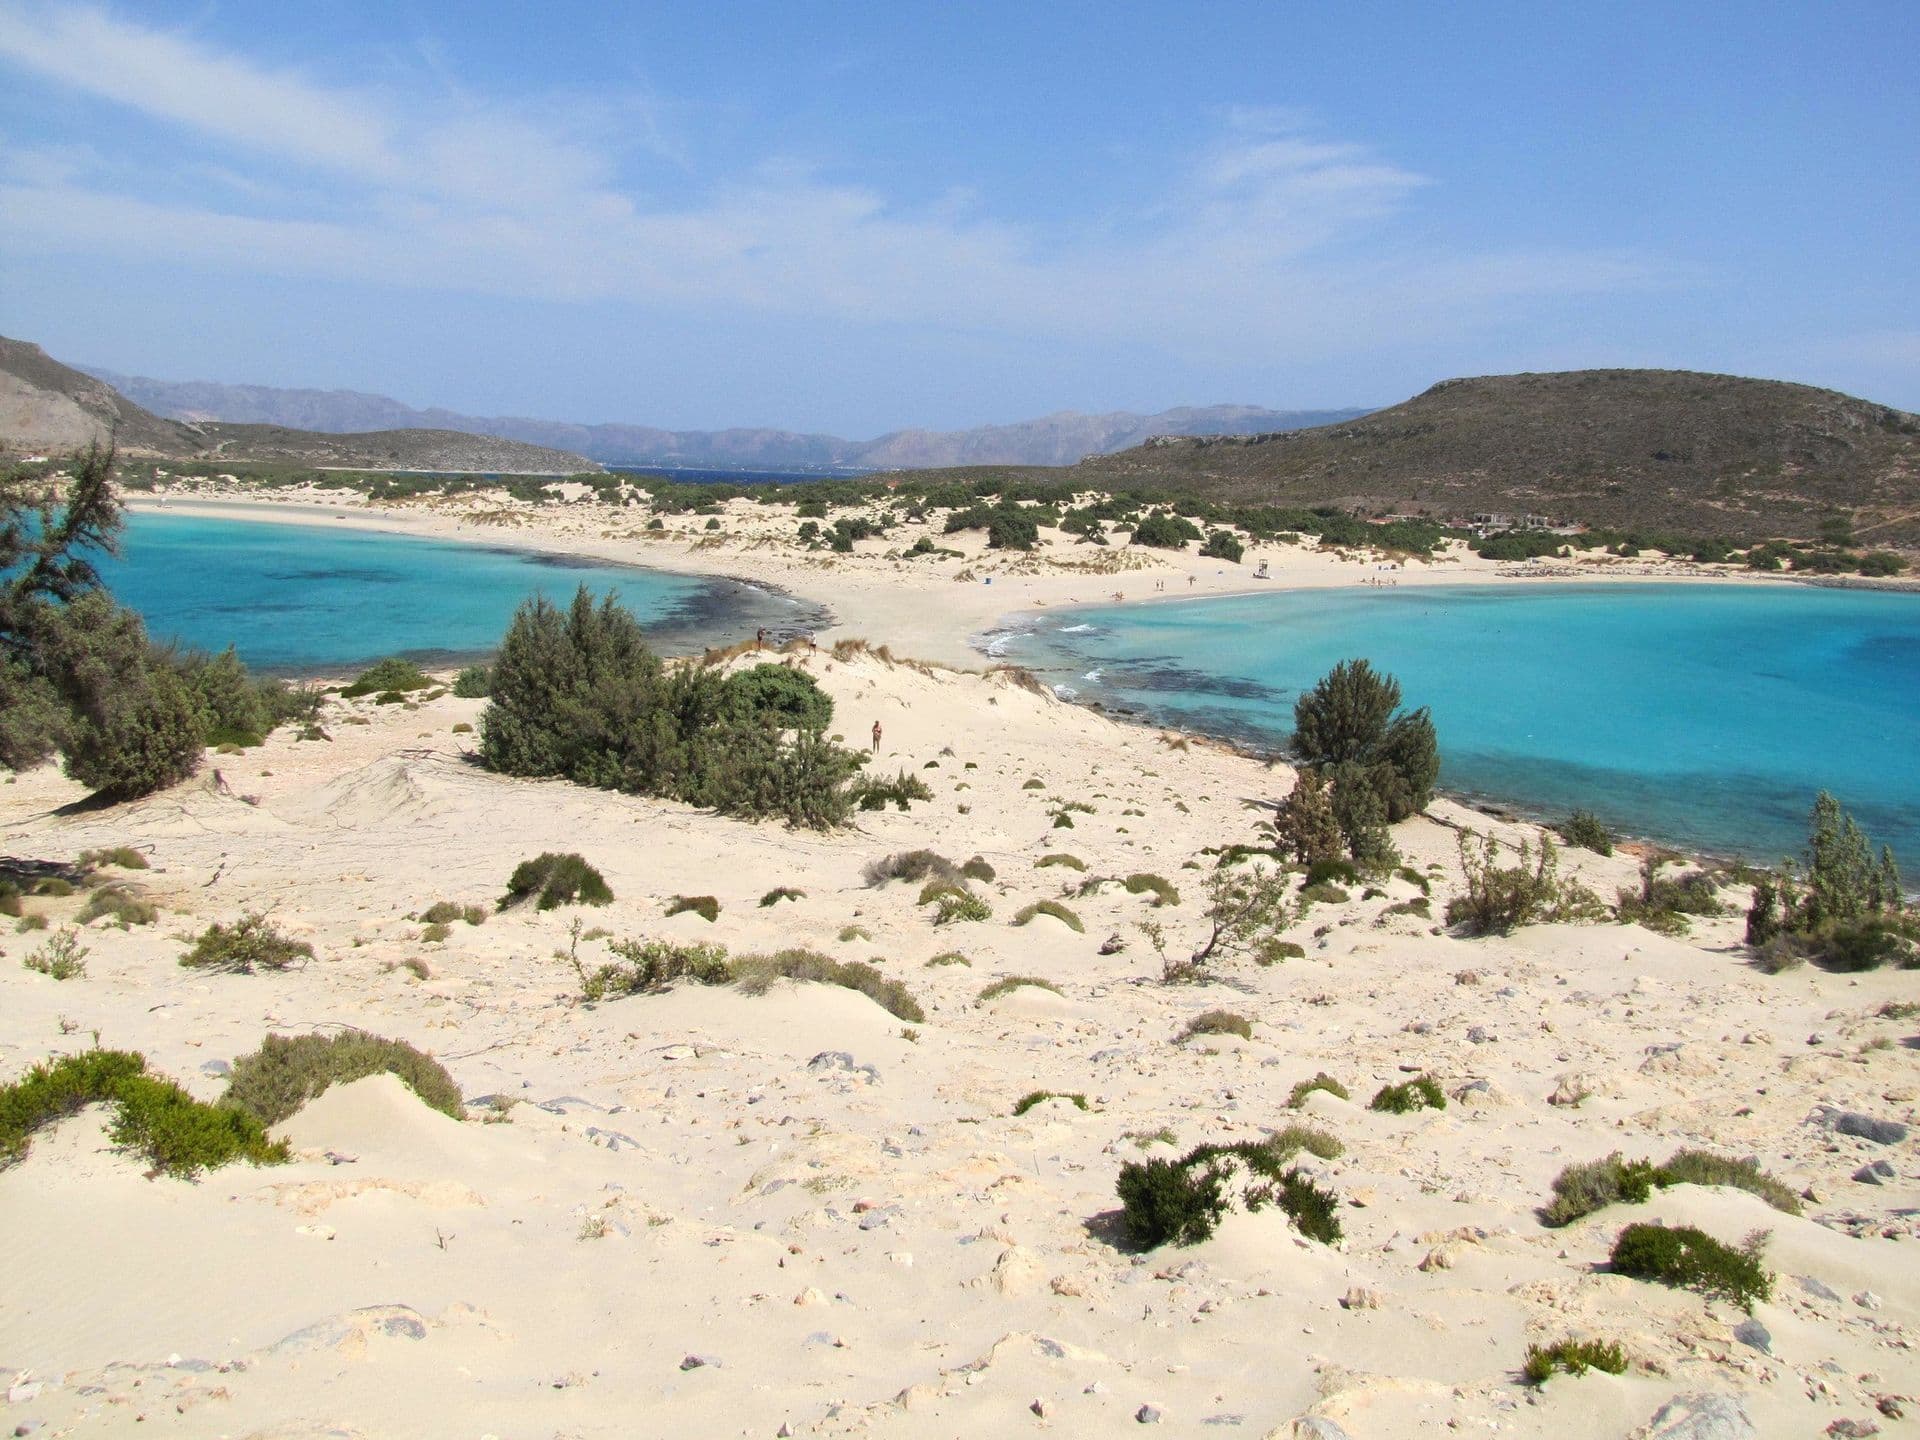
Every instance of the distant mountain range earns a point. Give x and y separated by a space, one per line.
1673 450
50 408
1058 439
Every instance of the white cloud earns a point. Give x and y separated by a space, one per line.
1258 250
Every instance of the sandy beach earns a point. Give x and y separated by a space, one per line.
707 1212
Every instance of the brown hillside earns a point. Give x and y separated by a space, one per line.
1655 449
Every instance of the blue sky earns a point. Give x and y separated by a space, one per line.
853 218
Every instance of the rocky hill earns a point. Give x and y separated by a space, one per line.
1058 439
47 408
1655 449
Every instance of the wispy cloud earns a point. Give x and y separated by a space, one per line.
1274 237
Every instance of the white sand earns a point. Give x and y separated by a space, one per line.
891 1252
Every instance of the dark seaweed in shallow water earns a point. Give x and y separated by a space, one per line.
1156 675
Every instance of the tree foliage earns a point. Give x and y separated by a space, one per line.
1381 763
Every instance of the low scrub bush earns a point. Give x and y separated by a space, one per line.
950 957
1050 907
63 957
248 944
118 904
1295 1138
1585 829
1182 1201
445 912
705 906
392 675
1579 1190
1329 871
475 682
871 792
552 879
978 869
1161 889
1499 899
1420 1093
644 966
756 973
1040 1097
1323 894
778 893
1072 862
287 1071
175 1133
1691 1259
954 904
1321 1081
1573 1357
121 857
912 865
1217 1022
1007 984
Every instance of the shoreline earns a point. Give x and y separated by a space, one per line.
916 607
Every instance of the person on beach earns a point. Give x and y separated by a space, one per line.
876 737
760 639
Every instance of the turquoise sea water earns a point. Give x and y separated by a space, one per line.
305 598
1704 717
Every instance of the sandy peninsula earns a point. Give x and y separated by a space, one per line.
706 1212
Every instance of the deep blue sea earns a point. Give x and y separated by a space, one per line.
1704 717
305 598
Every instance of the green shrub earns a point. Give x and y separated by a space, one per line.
121 857
852 933
1323 895
1007 984
1034 784
1499 899
1420 1093
1573 1357
954 904
288 1071
556 879
1217 1022
1321 1081
445 912
756 973
1585 829
1690 1259
174 1132
248 944
1072 862
1579 1190
653 965
912 865
1181 1201
390 676
1223 545
1050 907
475 682
1295 1138
1328 871
1166 1202
782 696
1164 532
63 957
1161 889
144 733
978 869
950 957
705 906
118 904
778 893
577 693
870 792
1040 1097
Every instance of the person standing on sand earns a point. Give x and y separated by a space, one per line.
876 737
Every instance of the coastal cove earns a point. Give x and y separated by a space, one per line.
302 598
1704 717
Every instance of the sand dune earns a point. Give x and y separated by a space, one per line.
708 1212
